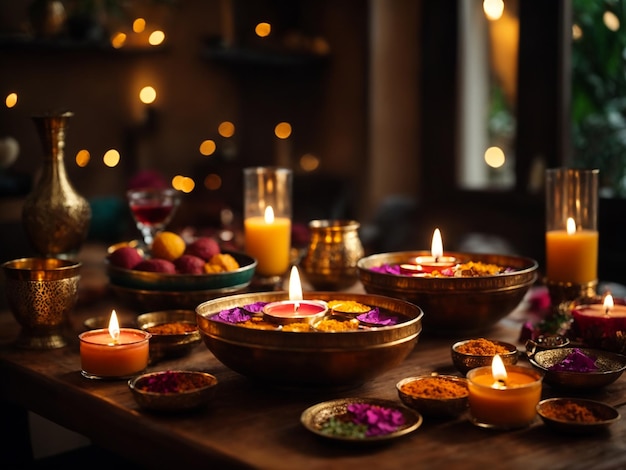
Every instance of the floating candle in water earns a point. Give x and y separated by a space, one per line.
427 264
296 309
114 352
501 397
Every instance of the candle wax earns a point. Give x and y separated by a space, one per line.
592 321
572 257
510 407
269 244
101 357
287 309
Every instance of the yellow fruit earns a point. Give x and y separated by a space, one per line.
168 245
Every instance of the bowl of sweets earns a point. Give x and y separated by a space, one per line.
174 332
479 352
576 415
173 390
366 336
175 274
579 368
460 293
438 396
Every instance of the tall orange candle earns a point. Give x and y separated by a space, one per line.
268 240
572 255
113 353
503 398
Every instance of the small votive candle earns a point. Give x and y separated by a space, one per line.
289 311
114 353
502 398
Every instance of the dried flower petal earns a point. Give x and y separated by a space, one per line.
234 315
374 317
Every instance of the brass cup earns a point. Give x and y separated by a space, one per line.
41 293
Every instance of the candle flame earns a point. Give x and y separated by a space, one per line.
436 247
295 288
498 371
269 215
571 226
608 303
114 326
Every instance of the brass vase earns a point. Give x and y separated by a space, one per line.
55 217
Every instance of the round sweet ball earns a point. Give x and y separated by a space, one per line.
168 245
203 247
157 265
126 257
189 264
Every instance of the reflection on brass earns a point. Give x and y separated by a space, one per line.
561 292
41 293
55 217
333 252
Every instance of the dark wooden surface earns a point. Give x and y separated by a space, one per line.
249 425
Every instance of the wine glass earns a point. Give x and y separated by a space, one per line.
152 210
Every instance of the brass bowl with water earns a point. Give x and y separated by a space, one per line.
310 359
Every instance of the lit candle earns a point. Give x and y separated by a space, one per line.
503 398
295 309
268 240
114 352
600 320
427 264
572 255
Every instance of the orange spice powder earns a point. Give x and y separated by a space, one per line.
482 347
435 387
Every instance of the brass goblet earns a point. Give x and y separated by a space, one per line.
41 293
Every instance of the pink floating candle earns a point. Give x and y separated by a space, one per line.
296 309
427 264
114 352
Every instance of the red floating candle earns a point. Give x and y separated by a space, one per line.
424 265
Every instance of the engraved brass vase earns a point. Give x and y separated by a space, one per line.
334 250
55 217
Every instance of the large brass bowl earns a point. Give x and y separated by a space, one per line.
454 305
310 359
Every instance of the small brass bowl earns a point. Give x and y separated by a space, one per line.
435 406
610 368
171 343
41 293
465 362
604 414
163 391
453 305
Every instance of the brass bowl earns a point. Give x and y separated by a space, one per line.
454 305
465 362
173 344
434 406
610 368
154 397
310 359
41 293
605 415
152 300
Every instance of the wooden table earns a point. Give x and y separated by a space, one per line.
252 426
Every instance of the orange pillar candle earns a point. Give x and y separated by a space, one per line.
268 240
572 255
503 398
113 353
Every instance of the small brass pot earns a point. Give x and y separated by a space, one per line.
41 293
333 252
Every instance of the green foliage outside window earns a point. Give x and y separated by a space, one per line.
599 93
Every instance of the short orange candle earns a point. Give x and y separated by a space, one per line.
114 352
503 398
268 240
572 255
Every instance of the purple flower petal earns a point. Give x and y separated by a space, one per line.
374 317
233 315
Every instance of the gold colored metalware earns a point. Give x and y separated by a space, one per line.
41 293
333 252
465 362
170 345
55 217
310 359
454 305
